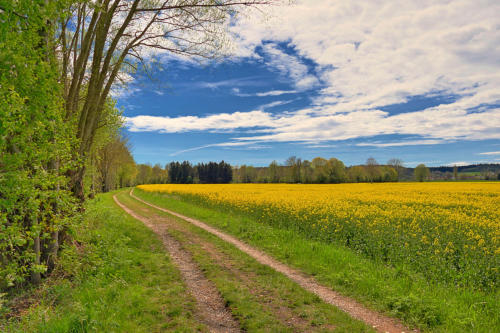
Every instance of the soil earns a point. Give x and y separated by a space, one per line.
20 306
378 321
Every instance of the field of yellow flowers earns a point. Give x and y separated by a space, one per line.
450 232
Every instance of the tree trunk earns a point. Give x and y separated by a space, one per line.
53 246
52 250
76 182
92 186
44 46
35 276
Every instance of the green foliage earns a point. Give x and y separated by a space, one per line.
421 172
357 174
319 170
335 170
144 174
100 170
181 173
35 143
415 310
38 140
213 173
245 174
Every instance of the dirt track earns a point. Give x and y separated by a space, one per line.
210 305
376 320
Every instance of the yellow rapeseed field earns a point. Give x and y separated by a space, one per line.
447 231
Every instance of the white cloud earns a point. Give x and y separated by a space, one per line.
223 144
320 145
239 82
123 92
368 55
401 143
249 147
371 54
222 121
415 163
238 92
440 124
273 104
490 153
460 163
275 93
121 89
289 66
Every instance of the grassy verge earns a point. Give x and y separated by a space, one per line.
115 278
398 292
260 298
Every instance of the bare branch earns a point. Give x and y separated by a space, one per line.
214 5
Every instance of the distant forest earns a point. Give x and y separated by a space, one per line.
319 171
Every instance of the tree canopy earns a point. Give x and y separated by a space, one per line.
421 172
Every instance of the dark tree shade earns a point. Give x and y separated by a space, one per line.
180 173
214 173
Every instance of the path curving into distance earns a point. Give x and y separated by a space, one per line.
378 321
210 305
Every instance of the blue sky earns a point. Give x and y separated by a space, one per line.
324 78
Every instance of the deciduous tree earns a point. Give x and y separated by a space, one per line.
421 172
397 164
274 176
335 170
99 41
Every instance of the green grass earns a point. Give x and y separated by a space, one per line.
116 278
254 301
399 292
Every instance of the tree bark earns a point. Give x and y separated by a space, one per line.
36 278
76 182
53 246
52 250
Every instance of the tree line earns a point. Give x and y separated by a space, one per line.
112 167
293 170
320 171
209 173
124 172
